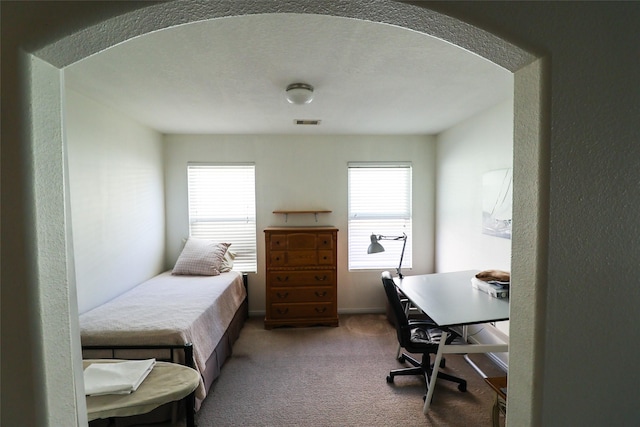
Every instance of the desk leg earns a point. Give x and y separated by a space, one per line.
434 374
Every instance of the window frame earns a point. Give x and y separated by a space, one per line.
245 246
390 224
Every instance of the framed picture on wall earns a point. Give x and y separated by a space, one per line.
497 195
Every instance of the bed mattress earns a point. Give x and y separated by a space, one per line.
169 309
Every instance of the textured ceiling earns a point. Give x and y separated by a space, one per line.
228 76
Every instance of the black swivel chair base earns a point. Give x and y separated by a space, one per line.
425 368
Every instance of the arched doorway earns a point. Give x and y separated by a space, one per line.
59 328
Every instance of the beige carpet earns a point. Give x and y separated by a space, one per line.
325 376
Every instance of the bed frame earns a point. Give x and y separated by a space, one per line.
221 353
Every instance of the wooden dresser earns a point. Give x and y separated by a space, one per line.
301 276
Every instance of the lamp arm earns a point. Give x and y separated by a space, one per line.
404 245
377 237
381 237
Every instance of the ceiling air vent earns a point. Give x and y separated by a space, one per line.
306 122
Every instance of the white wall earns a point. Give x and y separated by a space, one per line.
306 172
465 152
117 200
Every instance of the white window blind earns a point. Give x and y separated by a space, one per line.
222 207
379 203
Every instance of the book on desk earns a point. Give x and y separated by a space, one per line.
494 288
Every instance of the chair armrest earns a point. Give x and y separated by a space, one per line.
423 323
431 326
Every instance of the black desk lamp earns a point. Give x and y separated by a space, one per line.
376 247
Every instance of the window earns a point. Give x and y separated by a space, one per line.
222 207
379 203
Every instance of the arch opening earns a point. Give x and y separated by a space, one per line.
60 329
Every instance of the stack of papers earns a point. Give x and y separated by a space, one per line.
116 377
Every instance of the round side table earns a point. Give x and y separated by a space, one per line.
167 382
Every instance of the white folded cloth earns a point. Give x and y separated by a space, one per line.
116 377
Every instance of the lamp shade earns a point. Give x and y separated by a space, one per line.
375 246
299 93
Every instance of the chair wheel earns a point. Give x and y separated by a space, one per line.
389 379
443 363
401 359
462 387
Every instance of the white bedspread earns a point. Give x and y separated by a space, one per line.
168 309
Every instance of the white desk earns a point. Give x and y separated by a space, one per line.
450 300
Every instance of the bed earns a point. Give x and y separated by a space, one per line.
167 312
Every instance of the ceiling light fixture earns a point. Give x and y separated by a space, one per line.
299 93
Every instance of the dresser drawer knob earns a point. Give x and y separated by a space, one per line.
280 279
281 311
321 294
321 279
321 309
282 295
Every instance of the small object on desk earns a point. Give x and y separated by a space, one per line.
496 291
499 283
499 275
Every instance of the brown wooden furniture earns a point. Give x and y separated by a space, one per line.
287 212
301 283
499 385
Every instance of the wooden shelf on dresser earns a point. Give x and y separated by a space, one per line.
286 213
301 283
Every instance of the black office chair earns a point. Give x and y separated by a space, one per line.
418 337
407 307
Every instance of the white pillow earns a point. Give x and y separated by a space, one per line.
200 257
227 262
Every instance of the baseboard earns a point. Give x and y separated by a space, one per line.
261 313
257 313
499 362
486 333
361 311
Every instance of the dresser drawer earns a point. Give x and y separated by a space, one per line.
300 258
326 257
301 278
301 294
302 310
277 242
325 241
298 241
302 241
